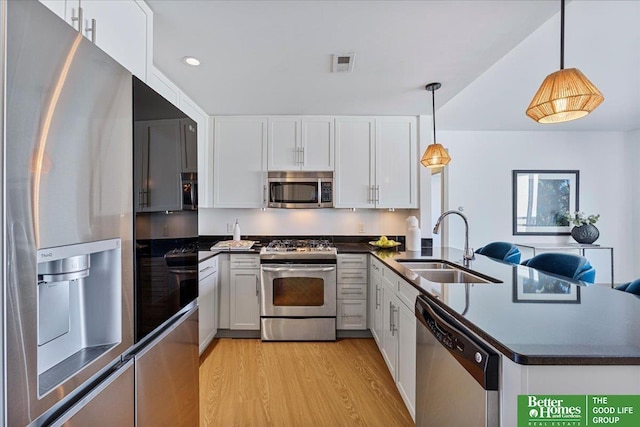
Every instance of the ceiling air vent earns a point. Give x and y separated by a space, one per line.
343 63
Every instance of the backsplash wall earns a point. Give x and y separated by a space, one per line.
304 221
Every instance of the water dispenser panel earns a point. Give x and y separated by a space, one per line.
53 310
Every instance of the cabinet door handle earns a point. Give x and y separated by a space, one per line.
143 198
301 156
396 310
92 30
264 194
77 18
391 317
257 285
377 297
377 193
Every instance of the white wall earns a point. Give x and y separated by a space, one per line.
304 221
632 156
480 181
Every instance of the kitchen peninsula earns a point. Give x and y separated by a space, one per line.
578 342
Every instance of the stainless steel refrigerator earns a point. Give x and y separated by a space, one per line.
68 309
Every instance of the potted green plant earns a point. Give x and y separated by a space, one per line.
583 231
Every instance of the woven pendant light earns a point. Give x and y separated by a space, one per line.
435 155
565 94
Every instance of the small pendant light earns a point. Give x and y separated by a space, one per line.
435 155
565 94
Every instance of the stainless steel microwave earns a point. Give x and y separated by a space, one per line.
300 190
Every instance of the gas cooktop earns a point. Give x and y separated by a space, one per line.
298 248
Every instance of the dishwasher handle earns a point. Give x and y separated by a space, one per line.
480 361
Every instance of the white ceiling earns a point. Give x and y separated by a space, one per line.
274 57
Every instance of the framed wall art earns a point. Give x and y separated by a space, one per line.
542 198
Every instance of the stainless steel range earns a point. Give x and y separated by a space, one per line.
298 298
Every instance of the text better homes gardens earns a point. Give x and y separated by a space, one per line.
578 410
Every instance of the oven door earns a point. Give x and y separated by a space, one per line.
298 290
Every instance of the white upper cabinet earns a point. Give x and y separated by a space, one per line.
123 28
285 144
355 174
376 162
300 143
240 162
396 162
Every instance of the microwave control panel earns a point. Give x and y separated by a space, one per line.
327 192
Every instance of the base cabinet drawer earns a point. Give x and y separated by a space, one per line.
352 261
352 275
358 291
352 314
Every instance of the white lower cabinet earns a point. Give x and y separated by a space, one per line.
406 366
207 301
390 305
352 292
375 300
352 314
394 328
244 290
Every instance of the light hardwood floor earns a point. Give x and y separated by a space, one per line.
246 382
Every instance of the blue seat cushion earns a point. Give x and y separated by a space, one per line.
504 251
632 288
567 265
623 287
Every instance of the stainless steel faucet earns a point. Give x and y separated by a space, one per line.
468 254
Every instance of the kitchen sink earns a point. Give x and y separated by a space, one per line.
441 272
419 265
451 275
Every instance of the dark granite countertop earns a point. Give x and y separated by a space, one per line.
587 325
352 248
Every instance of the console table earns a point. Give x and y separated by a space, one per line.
580 247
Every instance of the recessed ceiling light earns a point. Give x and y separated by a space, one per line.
190 60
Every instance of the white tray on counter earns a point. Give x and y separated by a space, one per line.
233 245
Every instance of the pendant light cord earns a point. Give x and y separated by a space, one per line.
433 108
562 34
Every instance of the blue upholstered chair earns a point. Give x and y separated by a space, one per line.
503 251
562 264
631 287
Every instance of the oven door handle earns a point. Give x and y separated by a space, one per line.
278 269
183 270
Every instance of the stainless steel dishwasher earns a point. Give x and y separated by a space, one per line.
457 376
